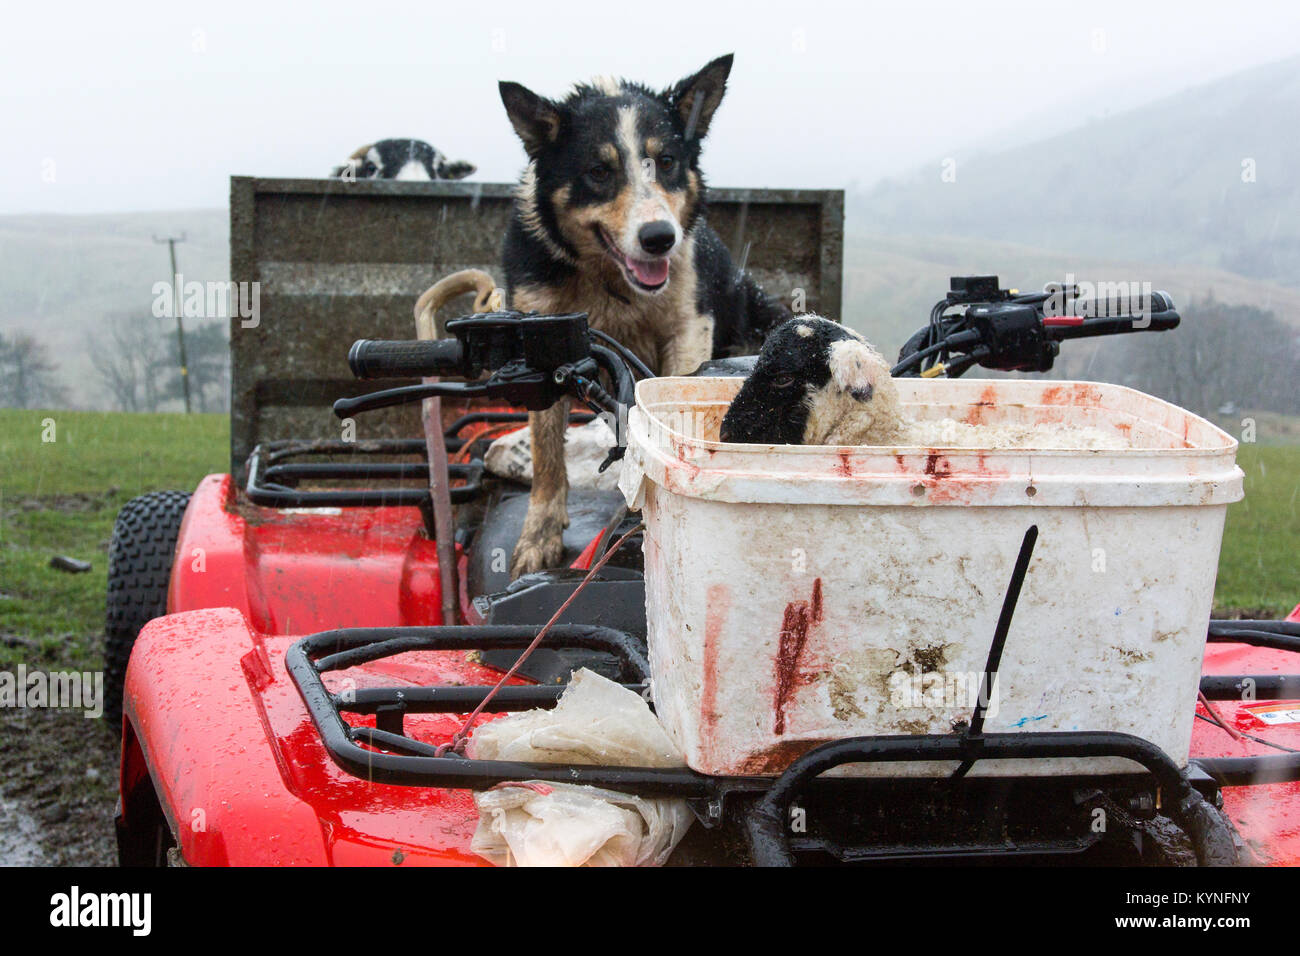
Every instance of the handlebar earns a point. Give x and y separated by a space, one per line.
535 360
377 358
1005 330
530 360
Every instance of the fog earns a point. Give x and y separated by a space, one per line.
142 106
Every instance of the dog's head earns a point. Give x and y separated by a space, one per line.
409 159
815 383
614 176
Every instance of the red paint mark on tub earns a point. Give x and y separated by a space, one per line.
800 617
718 606
844 468
1055 395
1080 393
946 485
936 466
988 398
775 759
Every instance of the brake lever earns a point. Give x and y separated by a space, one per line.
404 395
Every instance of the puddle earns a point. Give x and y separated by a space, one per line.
19 836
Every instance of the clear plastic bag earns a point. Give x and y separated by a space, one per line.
530 823
585 448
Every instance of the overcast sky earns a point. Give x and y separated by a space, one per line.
138 105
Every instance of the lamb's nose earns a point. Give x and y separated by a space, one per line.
862 394
657 237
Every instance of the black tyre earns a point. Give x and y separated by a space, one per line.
139 566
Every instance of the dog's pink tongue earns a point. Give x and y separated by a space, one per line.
653 272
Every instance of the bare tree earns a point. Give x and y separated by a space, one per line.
28 376
129 360
1219 355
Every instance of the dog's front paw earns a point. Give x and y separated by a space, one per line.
536 553
540 545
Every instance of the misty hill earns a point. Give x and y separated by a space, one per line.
62 276
890 282
1162 183
1154 194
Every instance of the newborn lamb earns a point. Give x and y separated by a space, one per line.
816 383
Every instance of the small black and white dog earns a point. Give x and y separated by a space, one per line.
409 159
609 220
815 383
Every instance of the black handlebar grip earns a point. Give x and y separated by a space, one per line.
417 358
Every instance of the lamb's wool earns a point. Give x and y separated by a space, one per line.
949 433
835 417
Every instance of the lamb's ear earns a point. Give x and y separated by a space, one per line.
697 97
535 119
455 170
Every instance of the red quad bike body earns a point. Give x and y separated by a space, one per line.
216 728
212 719
235 750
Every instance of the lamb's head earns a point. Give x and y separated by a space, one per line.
815 383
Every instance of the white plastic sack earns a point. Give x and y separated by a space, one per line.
585 447
531 823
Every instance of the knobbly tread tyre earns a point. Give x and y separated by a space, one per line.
139 567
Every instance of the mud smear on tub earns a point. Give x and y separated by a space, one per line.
931 658
844 696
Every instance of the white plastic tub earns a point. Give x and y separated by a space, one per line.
799 594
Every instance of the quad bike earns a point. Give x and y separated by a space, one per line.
300 653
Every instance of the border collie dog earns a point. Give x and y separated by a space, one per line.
409 159
609 220
816 383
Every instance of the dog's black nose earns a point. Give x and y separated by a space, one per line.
657 237
862 394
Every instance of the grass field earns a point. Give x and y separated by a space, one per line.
1259 566
61 496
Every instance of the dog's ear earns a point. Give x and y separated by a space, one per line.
535 119
457 170
697 97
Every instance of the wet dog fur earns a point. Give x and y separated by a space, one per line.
609 219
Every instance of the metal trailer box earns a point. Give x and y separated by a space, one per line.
337 261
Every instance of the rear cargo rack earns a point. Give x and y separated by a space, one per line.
275 472
759 806
274 475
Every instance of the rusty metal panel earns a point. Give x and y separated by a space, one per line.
337 261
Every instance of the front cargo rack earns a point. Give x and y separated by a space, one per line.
758 806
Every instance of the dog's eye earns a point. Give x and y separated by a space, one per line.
368 168
599 174
667 162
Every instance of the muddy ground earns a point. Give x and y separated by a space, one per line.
58 790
